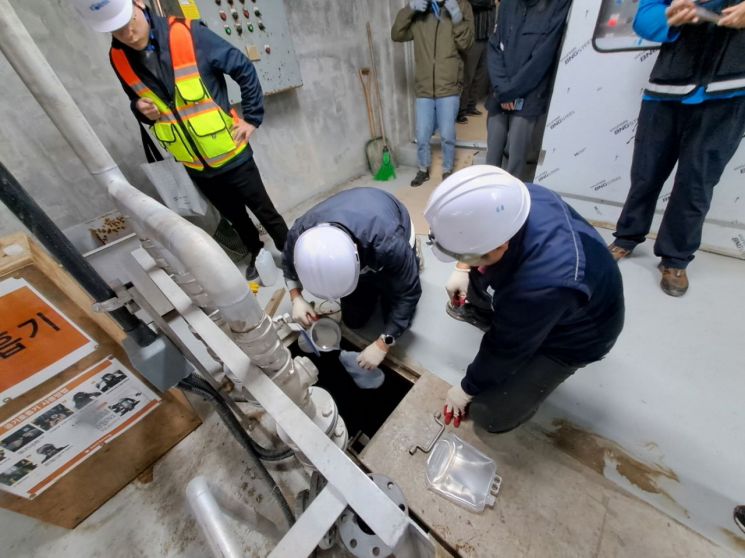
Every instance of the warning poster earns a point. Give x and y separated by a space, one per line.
55 434
37 341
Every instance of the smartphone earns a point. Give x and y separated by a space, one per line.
707 15
519 104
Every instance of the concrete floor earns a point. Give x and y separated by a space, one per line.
669 396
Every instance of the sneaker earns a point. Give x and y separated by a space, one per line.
474 112
470 314
420 178
740 517
461 118
674 281
446 174
251 273
617 252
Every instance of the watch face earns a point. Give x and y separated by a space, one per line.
388 339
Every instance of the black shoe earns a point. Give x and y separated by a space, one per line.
740 517
446 174
461 119
474 112
470 314
420 178
251 273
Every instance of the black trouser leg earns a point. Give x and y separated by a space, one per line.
516 399
358 307
472 58
656 149
229 202
477 294
249 183
711 137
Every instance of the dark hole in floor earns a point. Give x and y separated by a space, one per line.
363 410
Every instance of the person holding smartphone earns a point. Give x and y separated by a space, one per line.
693 115
521 56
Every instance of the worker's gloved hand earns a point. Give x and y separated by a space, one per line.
455 14
457 286
147 108
302 311
456 402
372 356
419 5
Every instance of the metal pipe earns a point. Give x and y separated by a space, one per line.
43 228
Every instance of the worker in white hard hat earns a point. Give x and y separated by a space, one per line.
536 277
357 246
173 71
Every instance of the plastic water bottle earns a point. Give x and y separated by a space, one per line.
365 379
268 272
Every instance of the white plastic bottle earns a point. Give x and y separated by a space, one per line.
268 272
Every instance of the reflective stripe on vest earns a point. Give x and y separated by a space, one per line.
670 89
728 85
198 134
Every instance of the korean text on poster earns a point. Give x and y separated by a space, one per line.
55 434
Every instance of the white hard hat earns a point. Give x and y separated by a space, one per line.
105 15
474 211
327 262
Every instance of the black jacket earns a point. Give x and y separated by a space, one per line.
702 55
523 52
557 292
381 228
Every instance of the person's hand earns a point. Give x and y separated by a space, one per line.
508 106
302 311
373 355
241 131
456 402
733 17
457 285
455 14
419 5
147 108
681 12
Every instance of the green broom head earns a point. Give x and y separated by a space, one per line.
386 171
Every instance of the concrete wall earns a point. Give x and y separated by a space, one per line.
312 139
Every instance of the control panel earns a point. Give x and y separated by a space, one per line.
259 28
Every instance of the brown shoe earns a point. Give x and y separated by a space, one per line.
617 252
674 281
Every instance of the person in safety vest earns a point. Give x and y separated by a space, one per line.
693 115
359 246
535 276
173 71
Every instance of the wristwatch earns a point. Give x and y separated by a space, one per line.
389 340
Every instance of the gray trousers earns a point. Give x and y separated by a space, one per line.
515 133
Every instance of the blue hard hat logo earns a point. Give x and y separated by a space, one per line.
500 208
98 5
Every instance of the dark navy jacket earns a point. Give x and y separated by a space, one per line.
381 228
215 58
521 54
557 292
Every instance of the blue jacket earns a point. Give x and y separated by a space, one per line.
557 292
215 58
523 51
381 228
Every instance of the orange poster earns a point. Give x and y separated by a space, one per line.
37 341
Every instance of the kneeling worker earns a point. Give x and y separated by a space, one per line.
358 245
535 276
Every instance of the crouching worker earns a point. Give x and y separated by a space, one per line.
358 245
535 276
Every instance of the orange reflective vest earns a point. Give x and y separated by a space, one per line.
192 127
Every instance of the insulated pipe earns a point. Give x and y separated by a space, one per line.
39 223
211 267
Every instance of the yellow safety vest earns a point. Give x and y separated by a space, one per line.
193 128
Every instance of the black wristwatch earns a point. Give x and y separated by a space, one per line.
389 340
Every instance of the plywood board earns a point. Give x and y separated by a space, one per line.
80 492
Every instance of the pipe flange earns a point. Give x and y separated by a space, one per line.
356 536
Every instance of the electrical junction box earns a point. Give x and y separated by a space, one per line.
259 29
